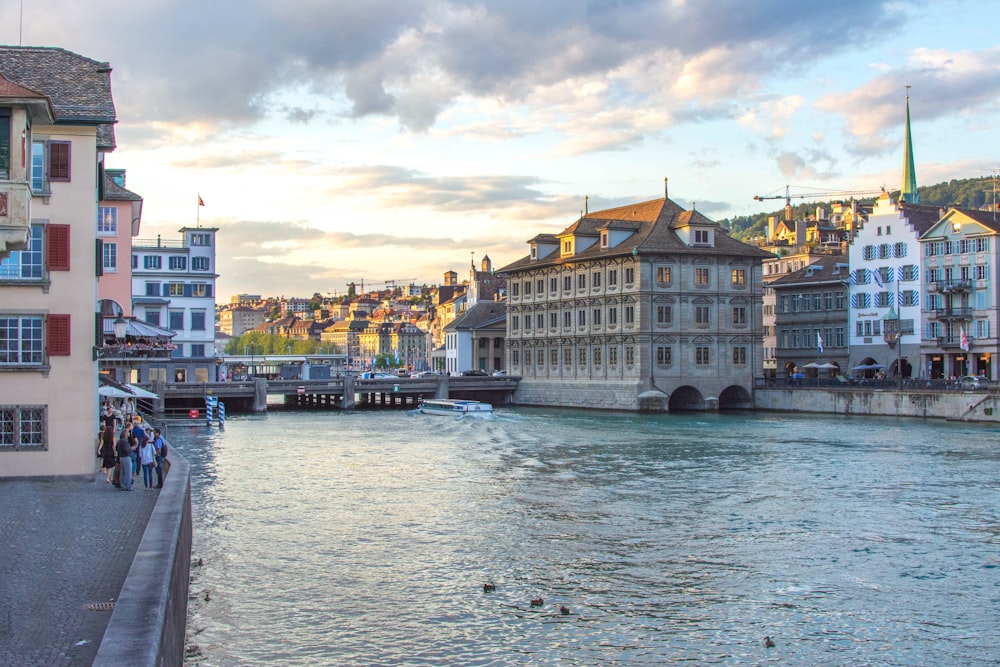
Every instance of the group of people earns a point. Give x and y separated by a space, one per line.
135 448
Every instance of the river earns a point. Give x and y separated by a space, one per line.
365 538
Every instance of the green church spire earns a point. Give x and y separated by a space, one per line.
909 192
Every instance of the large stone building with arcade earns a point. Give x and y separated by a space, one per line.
643 307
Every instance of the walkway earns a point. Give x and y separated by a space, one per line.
64 545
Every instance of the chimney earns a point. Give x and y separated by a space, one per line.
666 191
770 229
800 232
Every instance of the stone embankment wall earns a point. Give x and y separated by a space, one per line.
147 626
596 395
964 406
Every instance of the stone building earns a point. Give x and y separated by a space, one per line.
644 307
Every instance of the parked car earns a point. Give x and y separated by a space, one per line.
377 375
499 374
475 372
973 382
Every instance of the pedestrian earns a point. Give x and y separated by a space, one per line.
124 450
147 457
138 433
160 449
128 409
107 453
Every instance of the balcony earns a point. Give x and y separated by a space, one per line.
951 286
960 313
953 342
15 216
132 352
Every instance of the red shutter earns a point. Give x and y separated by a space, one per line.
57 335
59 161
57 247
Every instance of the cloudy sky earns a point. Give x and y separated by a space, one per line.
388 140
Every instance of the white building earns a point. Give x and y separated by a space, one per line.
173 286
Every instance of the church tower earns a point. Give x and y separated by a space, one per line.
908 194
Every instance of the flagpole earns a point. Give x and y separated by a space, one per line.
197 217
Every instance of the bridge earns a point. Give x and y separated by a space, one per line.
344 393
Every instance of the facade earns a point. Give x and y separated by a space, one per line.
885 310
402 341
811 319
647 306
475 339
119 215
961 304
57 120
173 286
237 320
343 337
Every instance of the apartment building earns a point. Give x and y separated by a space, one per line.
57 120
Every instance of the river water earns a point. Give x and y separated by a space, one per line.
365 538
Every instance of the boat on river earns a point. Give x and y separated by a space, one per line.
455 408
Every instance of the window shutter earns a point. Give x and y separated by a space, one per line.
58 335
59 161
165 287
208 290
99 256
187 289
57 247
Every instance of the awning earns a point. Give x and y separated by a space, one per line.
139 392
137 329
868 367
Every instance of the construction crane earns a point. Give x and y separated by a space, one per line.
402 281
788 196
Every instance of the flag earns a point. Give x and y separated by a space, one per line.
878 277
819 342
963 340
201 202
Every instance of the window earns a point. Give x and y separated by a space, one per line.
612 277
178 263
701 277
982 329
982 244
5 143
604 239
515 289
527 288
663 356
701 315
176 318
553 320
553 357
982 272
57 250
596 317
107 221
612 356
567 319
515 322
175 289
109 257
21 340
540 321
613 316
595 279
900 250
199 263
597 356
26 264
198 323
200 238
152 262
197 350
567 247
664 314
739 277
581 281
739 315
59 160
567 283
153 316
629 355
152 288
701 236
553 285
629 276
23 427
515 357
582 355
740 356
663 274
701 356
567 356
629 314
581 318
540 286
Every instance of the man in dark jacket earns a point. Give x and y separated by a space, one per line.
124 451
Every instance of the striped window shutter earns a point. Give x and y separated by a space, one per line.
57 337
57 247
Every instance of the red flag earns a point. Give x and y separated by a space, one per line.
201 202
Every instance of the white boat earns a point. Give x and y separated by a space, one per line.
455 407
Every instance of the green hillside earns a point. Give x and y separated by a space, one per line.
967 193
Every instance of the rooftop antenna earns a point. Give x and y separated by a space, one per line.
994 172
586 204
20 27
666 192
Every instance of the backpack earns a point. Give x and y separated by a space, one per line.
163 448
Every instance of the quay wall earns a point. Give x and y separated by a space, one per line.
964 406
595 395
147 627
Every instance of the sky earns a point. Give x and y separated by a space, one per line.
390 141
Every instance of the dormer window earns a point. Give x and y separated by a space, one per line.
534 252
604 239
567 247
701 237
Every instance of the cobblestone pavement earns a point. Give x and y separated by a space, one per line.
64 544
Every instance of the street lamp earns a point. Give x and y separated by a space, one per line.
121 327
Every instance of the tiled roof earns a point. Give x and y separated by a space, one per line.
115 192
921 217
831 270
655 223
482 314
79 88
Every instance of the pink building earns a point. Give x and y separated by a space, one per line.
118 216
